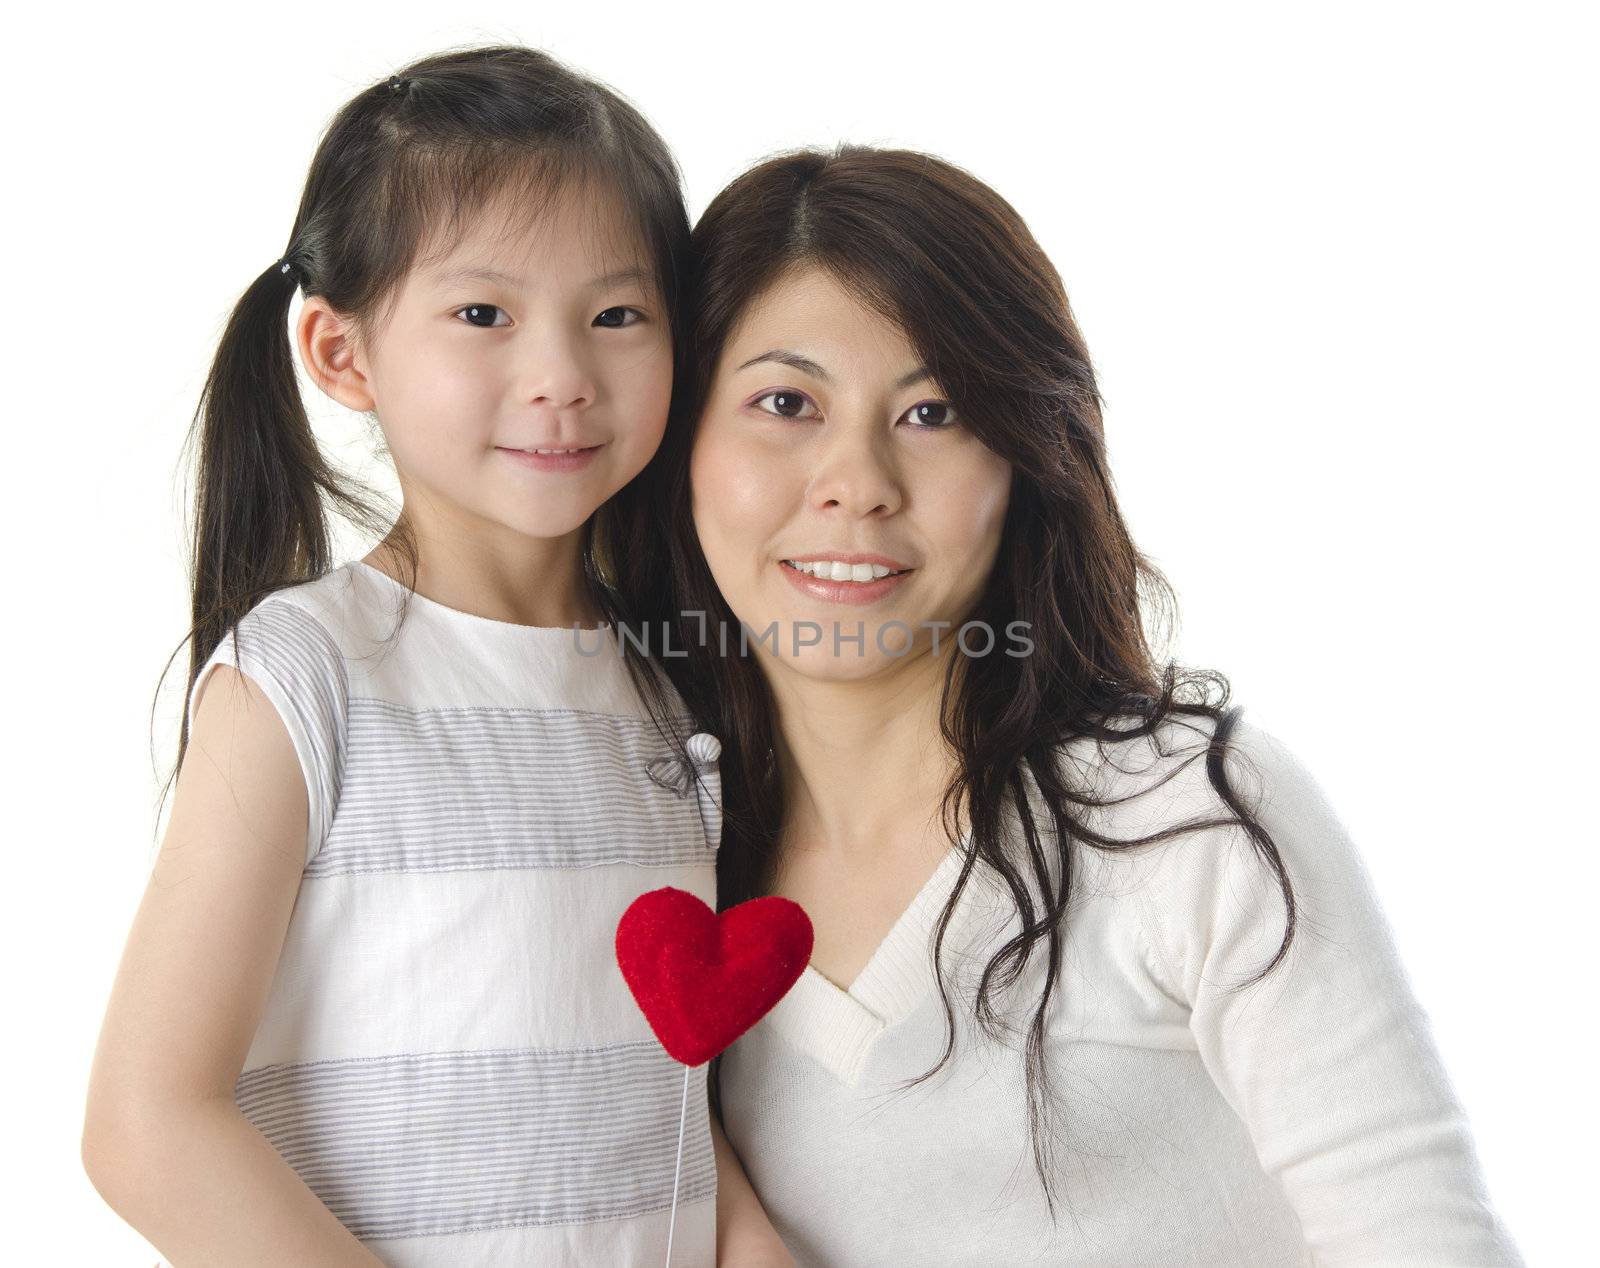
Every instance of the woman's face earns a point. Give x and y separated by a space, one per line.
824 444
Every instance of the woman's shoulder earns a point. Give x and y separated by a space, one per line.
1207 880
1151 774
1164 784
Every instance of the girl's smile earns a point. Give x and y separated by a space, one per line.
552 460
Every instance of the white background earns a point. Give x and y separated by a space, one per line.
1335 263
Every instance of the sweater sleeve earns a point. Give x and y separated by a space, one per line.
287 653
1329 1060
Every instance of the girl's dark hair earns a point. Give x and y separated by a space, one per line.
949 262
401 170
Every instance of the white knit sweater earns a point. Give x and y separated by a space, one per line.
1305 1120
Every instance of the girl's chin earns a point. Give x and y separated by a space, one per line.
554 517
548 528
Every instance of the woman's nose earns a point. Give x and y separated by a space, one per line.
856 473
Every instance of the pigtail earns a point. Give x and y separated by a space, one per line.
262 484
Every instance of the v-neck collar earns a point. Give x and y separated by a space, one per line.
836 1027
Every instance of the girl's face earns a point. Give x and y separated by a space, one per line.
823 440
529 335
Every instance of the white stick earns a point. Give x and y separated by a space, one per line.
683 1113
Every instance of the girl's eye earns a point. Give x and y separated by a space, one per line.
482 315
785 404
618 313
932 415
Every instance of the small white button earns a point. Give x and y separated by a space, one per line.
704 748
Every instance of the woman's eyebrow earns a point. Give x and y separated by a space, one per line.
806 365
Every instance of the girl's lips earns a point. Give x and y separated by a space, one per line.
552 461
857 593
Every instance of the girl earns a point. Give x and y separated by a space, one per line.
950 741
369 1009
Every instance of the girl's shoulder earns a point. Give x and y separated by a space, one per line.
333 615
400 648
294 645
364 639
304 644
352 604
297 632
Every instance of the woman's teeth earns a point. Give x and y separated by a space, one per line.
830 570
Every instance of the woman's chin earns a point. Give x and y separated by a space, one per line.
823 666
834 649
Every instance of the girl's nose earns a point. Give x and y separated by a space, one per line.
554 372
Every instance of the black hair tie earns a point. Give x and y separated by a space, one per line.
398 86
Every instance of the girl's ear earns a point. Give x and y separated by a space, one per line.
332 356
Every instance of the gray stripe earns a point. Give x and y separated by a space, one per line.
290 645
444 790
416 1145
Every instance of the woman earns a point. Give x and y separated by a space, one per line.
1069 909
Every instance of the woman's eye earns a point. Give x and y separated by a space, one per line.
784 404
933 415
482 315
618 313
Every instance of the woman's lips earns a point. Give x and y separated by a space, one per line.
853 593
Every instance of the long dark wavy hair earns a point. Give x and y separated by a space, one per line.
952 264
402 166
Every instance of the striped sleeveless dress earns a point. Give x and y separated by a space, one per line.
449 1056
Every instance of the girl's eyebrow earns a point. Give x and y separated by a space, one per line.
482 273
782 356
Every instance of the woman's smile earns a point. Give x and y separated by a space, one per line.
848 579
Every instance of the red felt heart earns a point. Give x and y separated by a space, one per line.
703 979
